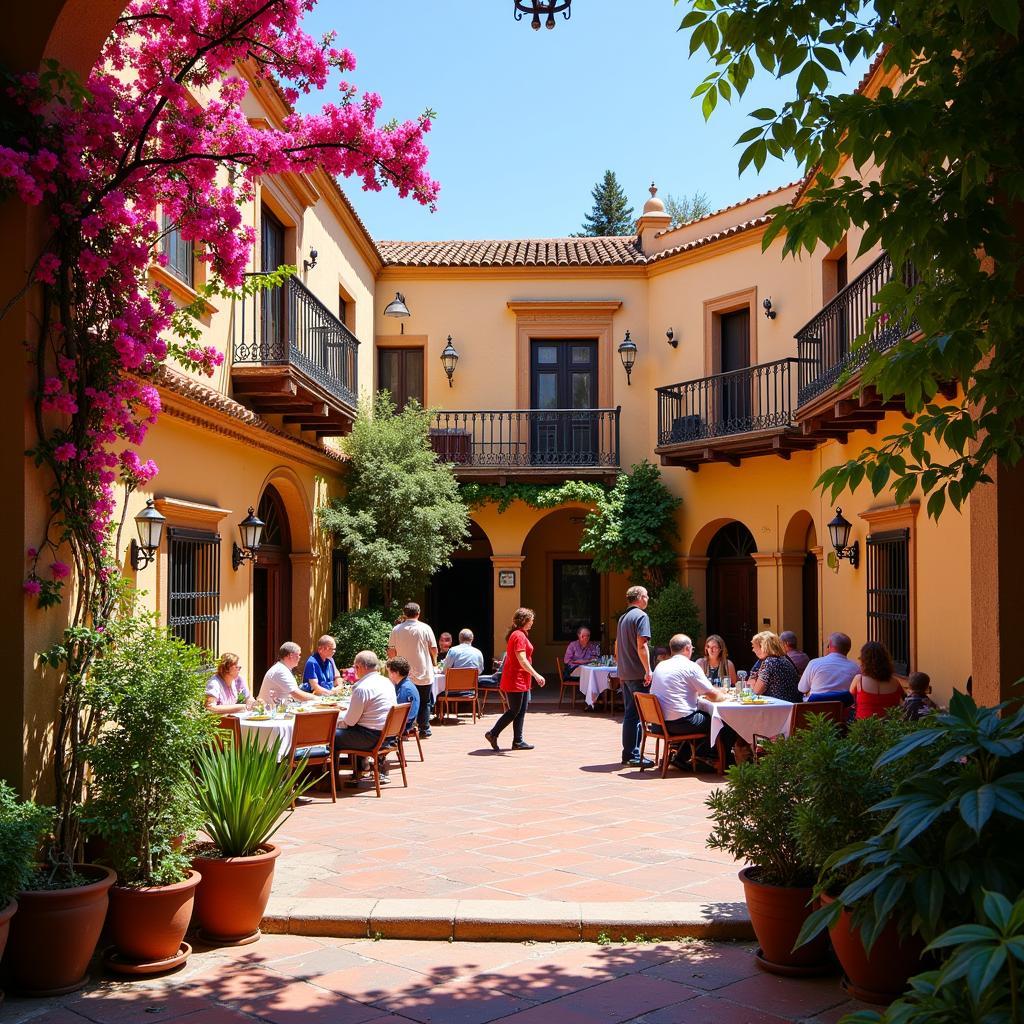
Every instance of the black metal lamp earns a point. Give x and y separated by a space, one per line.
449 360
251 531
538 7
839 534
150 524
672 339
311 262
397 307
627 353
768 311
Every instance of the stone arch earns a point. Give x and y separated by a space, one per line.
706 534
800 533
800 589
296 503
732 588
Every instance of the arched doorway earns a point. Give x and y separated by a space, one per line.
462 596
272 585
732 591
800 581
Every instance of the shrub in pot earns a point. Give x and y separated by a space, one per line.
753 816
943 863
244 794
148 690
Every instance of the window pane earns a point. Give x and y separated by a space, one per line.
547 391
547 354
581 354
413 375
581 390
388 364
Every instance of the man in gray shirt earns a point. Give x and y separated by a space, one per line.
633 658
464 654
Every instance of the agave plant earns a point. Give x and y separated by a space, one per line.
245 794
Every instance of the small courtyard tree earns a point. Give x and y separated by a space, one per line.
633 528
402 516
682 209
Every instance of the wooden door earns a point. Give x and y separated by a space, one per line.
732 591
272 586
563 376
400 372
735 355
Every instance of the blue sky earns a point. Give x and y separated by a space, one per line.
529 121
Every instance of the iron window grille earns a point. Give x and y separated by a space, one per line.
888 581
193 599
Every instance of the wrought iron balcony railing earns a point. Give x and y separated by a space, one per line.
528 439
825 345
745 401
290 326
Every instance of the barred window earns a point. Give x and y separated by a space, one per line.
339 583
193 601
888 568
180 254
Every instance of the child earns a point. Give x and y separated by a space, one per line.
917 703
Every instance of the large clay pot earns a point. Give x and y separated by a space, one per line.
881 976
6 913
777 913
148 924
233 895
54 934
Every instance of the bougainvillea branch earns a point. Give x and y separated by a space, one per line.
159 127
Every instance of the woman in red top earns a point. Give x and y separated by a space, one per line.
877 688
516 678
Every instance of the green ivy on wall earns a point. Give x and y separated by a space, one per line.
534 495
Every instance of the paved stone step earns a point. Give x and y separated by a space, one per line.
503 920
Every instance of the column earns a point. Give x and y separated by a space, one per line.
768 591
302 596
693 572
506 598
791 579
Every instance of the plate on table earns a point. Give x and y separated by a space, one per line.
258 718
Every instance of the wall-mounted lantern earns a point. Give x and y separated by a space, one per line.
839 534
627 353
311 262
250 529
150 525
397 307
449 360
672 339
769 313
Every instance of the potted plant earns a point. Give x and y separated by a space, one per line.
148 691
844 784
754 815
23 827
244 794
942 865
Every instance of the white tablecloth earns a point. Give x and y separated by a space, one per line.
273 731
771 719
594 681
438 684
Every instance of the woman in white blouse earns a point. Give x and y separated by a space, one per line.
226 691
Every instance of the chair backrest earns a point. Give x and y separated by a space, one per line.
456 680
832 709
649 709
231 725
314 728
395 724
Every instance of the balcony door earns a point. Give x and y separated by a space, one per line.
563 376
400 373
734 403
272 299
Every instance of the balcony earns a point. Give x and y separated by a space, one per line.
297 359
528 444
730 416
829 403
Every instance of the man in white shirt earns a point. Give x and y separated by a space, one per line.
833 673
279 682
414 641
373 696
464 654
677 682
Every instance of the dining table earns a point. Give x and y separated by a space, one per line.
437 686
278 731
769 717
594 680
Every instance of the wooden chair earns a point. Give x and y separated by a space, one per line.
313 739
614 691
229 731
566 684
485 694
413 733
460 687
389 742
831 709
652 720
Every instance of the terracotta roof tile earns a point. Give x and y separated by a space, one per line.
734 229
726 209
616 250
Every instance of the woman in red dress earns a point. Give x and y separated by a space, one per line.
516 678
877 688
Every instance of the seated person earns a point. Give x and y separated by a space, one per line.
793 652
716 664
917 703
492 681
226 692
580 651
405 689
444 645
373 697
877 688
464 654
777 676
279 682
832 673
321 674
677 682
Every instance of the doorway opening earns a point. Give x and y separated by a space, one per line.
732 591
271 587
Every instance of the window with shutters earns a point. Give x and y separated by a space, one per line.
889 594
180 254
193 600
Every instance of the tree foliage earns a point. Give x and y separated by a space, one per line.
362 629
611 213
947 199
673 610
402 516
535 495
682 209
633 527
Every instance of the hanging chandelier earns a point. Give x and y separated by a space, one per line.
546 7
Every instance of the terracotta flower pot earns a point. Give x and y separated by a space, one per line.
233 895
6 913
777 914
881 976
54 934
148 924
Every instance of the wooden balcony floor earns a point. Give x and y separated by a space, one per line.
286 391
731 448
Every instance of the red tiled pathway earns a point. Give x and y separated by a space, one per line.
562 822
288 979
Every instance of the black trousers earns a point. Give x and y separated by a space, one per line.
426 703
518 702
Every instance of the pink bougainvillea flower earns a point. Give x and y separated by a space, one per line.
60 570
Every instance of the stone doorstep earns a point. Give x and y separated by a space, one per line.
503 920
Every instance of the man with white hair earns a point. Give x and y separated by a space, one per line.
279 682
373 696
464 654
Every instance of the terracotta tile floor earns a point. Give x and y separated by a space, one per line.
564 821
286 979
